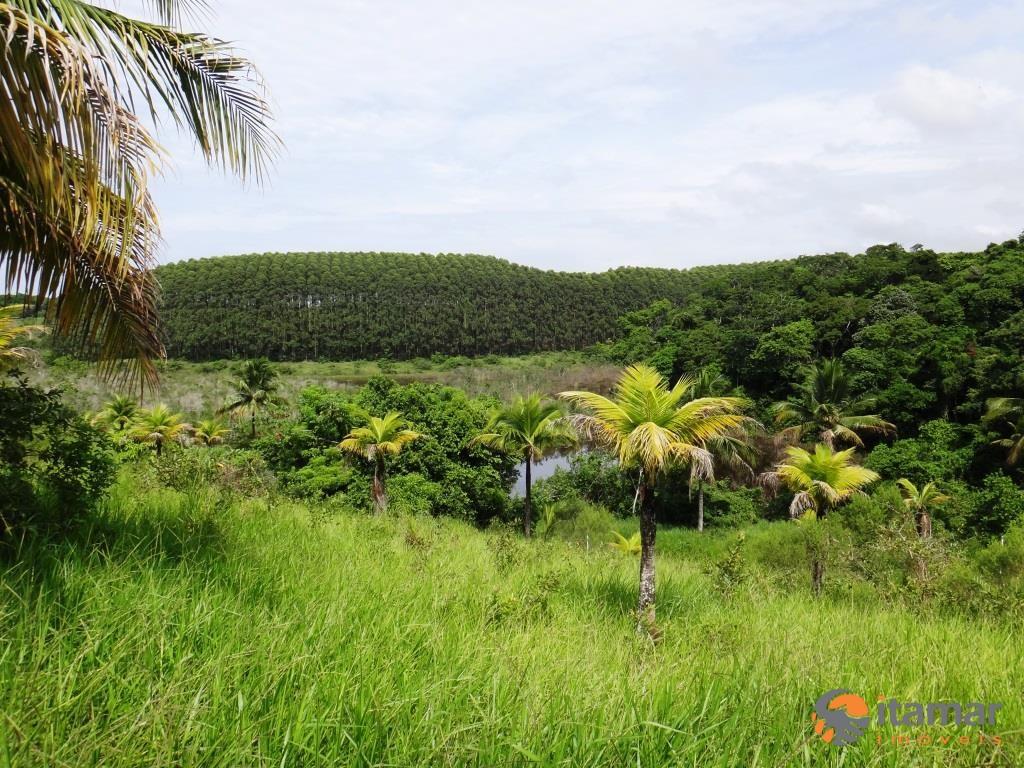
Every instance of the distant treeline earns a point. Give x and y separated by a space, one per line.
367 305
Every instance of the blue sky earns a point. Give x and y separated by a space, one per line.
587 135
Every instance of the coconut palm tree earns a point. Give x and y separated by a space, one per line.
255 391
651 426
210 431
1010 411
920 503
378 439
732 451
117 414
10 332
530 429
823 407
158 425
821 481
79 224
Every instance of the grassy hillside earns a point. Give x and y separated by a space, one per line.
203 631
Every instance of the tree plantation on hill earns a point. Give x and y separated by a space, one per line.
365 305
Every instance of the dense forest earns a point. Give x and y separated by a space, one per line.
946 310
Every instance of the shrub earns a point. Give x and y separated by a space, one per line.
54 466
731 507
324 475
413 494
999 503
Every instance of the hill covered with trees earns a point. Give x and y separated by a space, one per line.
364 305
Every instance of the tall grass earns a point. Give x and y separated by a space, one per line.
187 631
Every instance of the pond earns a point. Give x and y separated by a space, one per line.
541 469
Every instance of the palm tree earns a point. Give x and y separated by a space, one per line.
158 425
530 429
1009 410
79 224
920 502
821 481
254 392
650 426
378 439
211 432
117 414
733 451
10 331
823 407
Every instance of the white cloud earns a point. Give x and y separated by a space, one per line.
590 134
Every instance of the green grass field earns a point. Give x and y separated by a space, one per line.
203 632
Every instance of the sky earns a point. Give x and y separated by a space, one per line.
584 135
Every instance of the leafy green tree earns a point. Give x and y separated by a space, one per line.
378 439
782 352
650 426
158 426
824 407
821 481
920 503
529 429
79 222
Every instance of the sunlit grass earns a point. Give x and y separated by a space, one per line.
187 633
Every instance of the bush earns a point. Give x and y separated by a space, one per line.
413 494
999 503
324 475
54 466
186 470
725 506
594 477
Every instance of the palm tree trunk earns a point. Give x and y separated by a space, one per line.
648 531
528 503
817 575
252 421
380 496
700 505
924 525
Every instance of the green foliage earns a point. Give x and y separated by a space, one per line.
941 451
781 353
594 477
999 503
186 470
54 466
413 494
732 570
728 506
323 475
315 306
624 545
